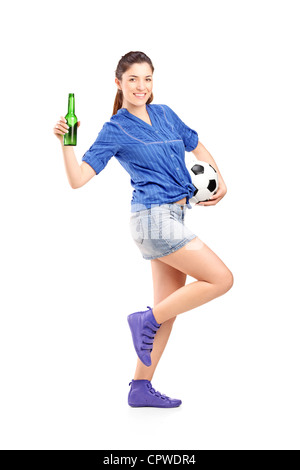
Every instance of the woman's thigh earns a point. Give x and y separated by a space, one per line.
166 280
197 260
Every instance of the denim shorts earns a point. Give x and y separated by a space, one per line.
160 230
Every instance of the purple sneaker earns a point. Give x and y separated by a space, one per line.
143 394
143 328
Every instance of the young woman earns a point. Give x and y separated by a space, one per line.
149 141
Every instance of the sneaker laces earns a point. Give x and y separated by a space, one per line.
149 332
156 392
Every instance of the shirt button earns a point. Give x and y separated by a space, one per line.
177 168
172 155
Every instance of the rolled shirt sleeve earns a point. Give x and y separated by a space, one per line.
102 150
189 136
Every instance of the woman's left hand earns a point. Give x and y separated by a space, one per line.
222 190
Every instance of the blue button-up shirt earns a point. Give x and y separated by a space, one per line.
153 155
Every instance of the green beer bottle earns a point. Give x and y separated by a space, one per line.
70 138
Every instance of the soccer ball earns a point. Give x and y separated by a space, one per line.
204 178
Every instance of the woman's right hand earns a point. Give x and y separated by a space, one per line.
61 128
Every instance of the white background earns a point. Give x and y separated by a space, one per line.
70 271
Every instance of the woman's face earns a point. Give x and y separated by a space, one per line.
136 81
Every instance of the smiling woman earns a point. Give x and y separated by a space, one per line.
149 141
134 79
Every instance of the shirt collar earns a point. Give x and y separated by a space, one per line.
125 112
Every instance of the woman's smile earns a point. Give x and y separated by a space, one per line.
140 95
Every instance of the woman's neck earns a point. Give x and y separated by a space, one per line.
139 111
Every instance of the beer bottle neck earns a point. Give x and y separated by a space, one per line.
71 104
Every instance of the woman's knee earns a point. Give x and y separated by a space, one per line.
226 281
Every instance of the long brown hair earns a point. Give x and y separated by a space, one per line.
126 61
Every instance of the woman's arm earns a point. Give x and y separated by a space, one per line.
202 154
78 175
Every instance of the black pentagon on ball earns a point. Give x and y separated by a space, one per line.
196 190
197 169
212 185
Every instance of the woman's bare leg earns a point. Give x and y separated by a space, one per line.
197 260
166 280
